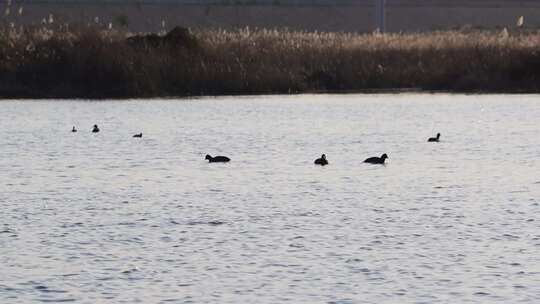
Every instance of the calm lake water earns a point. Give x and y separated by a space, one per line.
107 218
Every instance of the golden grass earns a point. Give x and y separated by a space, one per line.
89 62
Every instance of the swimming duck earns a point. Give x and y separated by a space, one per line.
434 139
73 130
217 159
138 135
321 161
377 160
95 129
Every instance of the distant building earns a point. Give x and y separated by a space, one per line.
311 15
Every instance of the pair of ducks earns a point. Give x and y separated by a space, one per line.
372 160
96 130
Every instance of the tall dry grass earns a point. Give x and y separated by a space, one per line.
90 62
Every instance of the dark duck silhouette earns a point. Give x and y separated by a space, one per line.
435 139
95 129
321 161
217 159
73 130
377 160
138 135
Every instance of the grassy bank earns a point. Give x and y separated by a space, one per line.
83 62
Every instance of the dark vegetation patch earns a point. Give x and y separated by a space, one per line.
88 62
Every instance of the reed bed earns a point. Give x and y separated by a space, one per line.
90 62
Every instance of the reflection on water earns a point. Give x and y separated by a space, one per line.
106 217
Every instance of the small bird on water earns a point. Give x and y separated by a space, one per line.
321 161
73 130
138 135
217 159
95 129
434 139
377 160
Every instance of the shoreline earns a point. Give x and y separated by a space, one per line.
188 97
358 92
